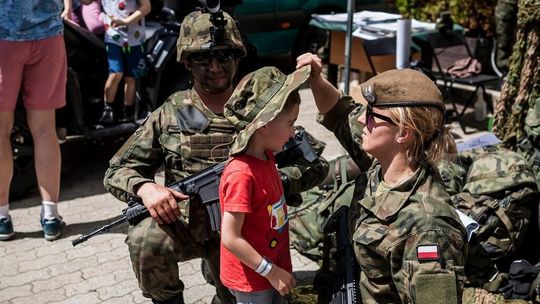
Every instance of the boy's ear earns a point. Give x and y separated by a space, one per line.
262 129
405 135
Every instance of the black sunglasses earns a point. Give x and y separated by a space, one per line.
204 58
370 113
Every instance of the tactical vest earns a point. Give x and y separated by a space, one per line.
205 136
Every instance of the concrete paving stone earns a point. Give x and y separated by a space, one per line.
189 268
89 250
10 293
120 300
8 267
49 296
126 273
118 290
89 285
57 282
195 293
138 297
114 254
24 278
14 246
90 271
73 265
44 261
86 298
195 279
54 248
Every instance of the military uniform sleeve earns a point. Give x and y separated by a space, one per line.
342 121
427 267
137 160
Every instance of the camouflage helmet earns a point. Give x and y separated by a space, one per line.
195 35
258 98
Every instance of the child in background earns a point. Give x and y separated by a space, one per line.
86 16
255 257
124 38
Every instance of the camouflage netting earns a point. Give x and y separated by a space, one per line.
521 92
480 296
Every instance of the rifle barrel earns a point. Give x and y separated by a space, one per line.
106 228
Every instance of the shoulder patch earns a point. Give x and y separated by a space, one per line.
429 252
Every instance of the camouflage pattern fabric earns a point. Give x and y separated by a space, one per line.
481 296
505 26
516 120
307 221
389 226
258 98
195 35
495 187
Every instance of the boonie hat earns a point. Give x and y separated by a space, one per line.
401 88
195 35
258 98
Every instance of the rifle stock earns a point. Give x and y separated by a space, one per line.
347 291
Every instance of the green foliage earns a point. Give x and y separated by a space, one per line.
476 16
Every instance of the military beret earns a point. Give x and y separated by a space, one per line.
401 88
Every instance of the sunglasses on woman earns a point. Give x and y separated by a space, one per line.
370 115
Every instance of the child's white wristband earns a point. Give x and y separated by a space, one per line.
264 268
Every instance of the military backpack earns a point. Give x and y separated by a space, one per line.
496 188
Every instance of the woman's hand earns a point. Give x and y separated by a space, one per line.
313 60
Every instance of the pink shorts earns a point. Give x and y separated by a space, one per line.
38 68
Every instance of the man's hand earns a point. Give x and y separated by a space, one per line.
281 280
161 202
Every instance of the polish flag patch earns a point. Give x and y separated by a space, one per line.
427 252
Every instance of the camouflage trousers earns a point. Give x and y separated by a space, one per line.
156 250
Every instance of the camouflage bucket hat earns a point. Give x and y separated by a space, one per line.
401 88
259 98
195 35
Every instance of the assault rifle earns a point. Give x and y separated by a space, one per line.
204 184
340 285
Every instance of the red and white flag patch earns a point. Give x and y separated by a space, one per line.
427 252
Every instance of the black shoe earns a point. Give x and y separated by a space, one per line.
178 299
127 114
107 117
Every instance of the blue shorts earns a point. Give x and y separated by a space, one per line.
129 61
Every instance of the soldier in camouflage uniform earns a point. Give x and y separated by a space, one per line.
186 134
408 240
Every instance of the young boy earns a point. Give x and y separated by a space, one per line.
124 38
255 257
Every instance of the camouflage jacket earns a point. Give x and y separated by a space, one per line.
408 240
163 139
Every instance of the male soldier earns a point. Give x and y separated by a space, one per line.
186 134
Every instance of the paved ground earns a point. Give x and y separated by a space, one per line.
35 271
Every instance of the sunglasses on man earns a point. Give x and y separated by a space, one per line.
205 58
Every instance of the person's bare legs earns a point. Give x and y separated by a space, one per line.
46 152
6 157
129 90
111 86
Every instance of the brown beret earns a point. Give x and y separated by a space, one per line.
401 88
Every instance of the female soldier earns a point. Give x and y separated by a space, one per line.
407 238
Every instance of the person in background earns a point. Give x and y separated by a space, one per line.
34 63
407 237
255 257
86 16
124 39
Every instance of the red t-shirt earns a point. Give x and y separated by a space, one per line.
253 186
